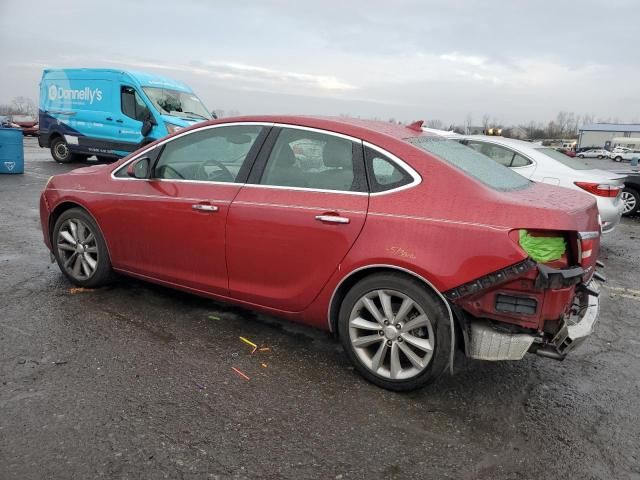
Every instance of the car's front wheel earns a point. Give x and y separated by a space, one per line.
580 156
630 201
395 331
618 158
80 249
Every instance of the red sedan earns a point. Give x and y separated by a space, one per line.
405 245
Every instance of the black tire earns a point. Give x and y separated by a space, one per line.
636 196
102 273
580 156
618 159
432 307
60 150
600 157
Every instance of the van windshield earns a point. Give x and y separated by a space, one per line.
177 104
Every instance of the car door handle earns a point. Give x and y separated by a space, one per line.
109 118
119 121
204 208
332 219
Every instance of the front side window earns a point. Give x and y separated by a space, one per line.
472 162
213 154
308 159
132 105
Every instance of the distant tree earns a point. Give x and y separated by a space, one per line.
437 124
23 106
486 120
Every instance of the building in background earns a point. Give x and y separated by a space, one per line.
609 135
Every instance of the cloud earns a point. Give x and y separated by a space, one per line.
456 57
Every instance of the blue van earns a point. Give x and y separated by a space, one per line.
110 113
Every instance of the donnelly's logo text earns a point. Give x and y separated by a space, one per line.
85 94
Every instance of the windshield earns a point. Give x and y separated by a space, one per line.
570 162
473 163
176 103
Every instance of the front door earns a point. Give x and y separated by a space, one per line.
175 220
288 229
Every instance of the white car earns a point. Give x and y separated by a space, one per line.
594 153
544 164
628 155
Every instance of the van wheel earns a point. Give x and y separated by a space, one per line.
395 331
60 150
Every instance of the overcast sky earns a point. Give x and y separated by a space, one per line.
513 60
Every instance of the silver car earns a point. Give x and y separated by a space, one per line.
547 165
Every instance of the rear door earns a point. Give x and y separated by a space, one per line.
172 225
290 227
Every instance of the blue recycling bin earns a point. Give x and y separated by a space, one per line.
634 162
11 151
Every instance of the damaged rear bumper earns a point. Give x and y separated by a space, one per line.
488 342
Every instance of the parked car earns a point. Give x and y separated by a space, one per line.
620 149
631 193
110 113
28 124
628 155
594 153
378 245
546 165
5 122
567 151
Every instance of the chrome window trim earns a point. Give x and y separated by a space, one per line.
303 189
169 139
417 179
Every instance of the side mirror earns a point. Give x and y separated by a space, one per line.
139 168
213 115
147 124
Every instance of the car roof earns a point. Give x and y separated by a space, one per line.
355 127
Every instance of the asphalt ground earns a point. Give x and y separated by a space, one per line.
136 381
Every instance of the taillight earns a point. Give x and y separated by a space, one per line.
586 244
599 189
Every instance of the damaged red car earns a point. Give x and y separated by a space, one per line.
405 245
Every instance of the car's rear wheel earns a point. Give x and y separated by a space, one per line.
395 331
80 249
581 156
600 157
618 159
630 201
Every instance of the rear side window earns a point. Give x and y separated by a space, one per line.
310 159
384 174
570 162
473 163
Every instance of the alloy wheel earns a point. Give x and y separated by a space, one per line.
629 201
391 334
77 249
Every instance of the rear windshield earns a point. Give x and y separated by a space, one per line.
570 162
471 162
